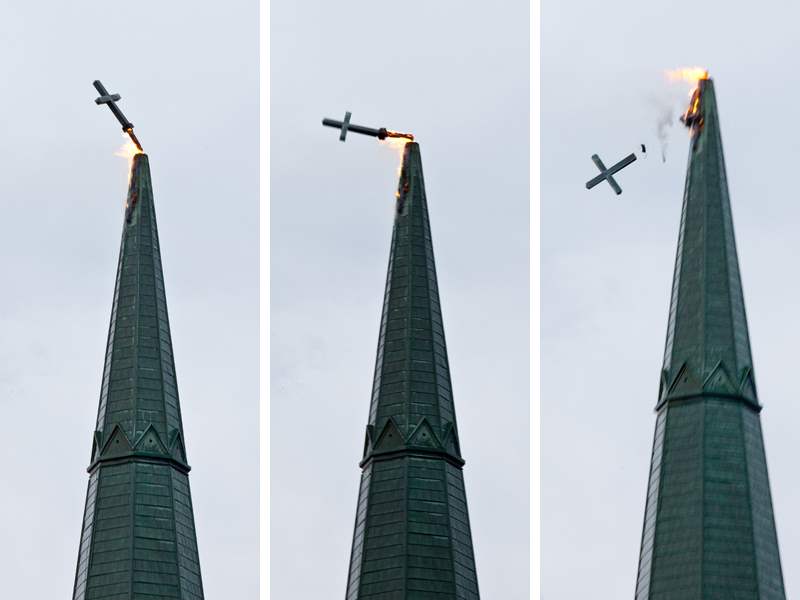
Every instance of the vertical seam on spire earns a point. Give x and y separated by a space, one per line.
90 545
157 254
428 283
703 279
469 528
667 409
450 539
137 324
380 364
730 237
113 321
83 532
194 532
409 374
771 509
132 497
703 406
409 313
367 504
175 530
741 408
727 219
672 318
739 291
154 248
647 506
728 250
135 378
407 464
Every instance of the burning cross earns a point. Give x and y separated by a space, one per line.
111 100
607 173
346 126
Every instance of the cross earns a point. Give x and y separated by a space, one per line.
111 100
346 126
607 173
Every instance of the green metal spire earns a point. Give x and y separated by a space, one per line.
412 536
138 540
709 530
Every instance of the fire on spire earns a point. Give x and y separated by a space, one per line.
694 75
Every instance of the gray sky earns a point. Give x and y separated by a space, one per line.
457 75
607 261
188 75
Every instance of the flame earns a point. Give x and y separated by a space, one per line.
400 134
691 75
128 150
398 144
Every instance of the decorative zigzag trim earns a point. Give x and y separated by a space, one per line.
420 438
718 382
117 447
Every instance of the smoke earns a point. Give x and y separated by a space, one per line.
665 121
666 102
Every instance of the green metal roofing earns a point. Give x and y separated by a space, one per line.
138 539
412 537
709 529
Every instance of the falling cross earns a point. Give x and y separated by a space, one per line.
606 174
346 126
111 100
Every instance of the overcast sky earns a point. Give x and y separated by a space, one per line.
457 75
188 76
607 260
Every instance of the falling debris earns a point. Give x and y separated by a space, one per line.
644 150
606 174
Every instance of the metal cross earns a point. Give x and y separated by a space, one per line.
346 126
111 100
606 174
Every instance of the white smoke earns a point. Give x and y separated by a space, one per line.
667 103
665 121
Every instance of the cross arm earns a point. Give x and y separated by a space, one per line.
355 128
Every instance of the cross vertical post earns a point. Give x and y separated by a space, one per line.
111 101
381 133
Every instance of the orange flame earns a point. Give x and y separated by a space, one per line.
692 75
397 144
689 74
128 150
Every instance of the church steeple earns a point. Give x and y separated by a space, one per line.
709 529
412 535
138 539
707 338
